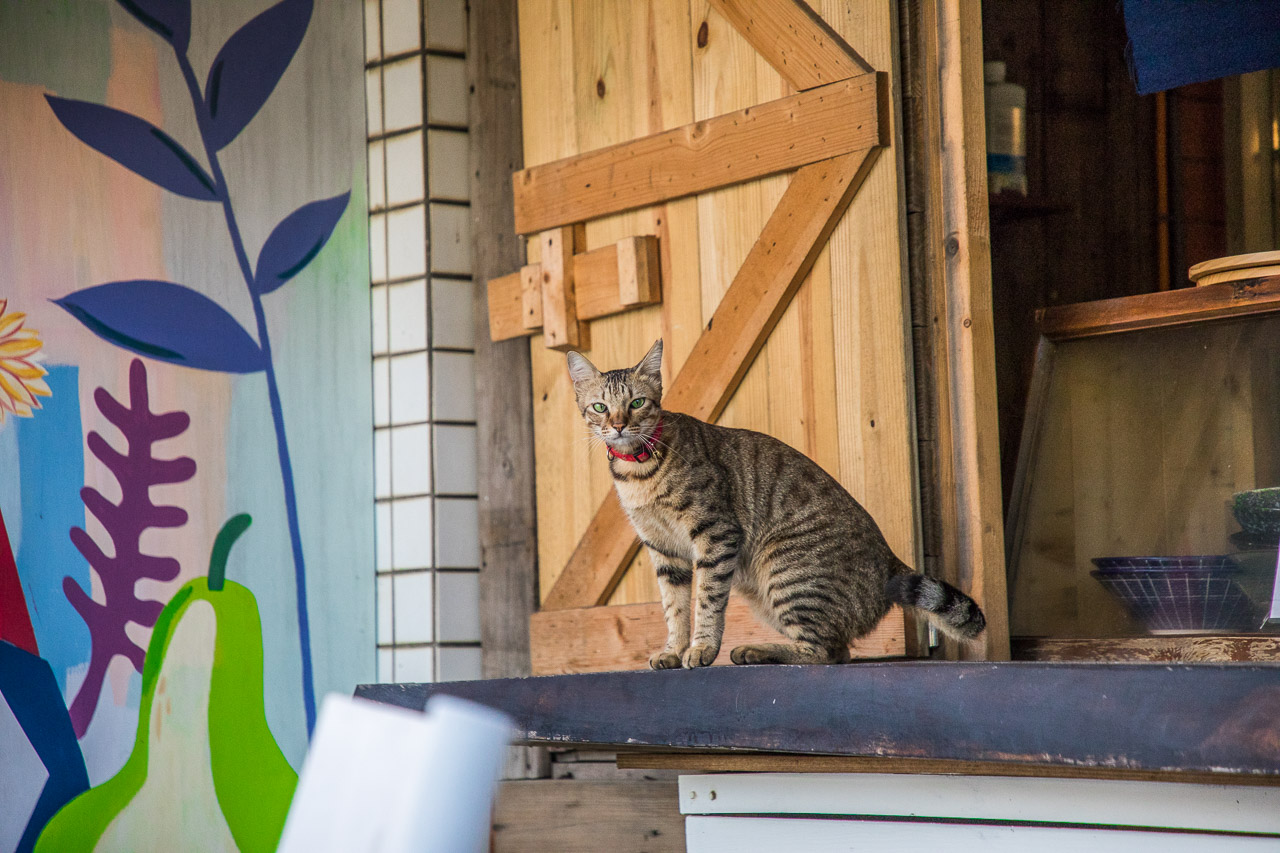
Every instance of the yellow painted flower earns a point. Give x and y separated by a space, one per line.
20 376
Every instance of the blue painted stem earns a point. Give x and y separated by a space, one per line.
273 392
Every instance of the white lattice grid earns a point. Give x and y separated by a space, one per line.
424 388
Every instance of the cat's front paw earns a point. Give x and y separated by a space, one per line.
699 655
665 660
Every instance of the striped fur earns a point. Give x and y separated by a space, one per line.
720 509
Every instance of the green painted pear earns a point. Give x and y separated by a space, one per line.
205 772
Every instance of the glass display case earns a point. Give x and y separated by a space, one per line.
1147 494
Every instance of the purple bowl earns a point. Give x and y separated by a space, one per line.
1180 594
1217 563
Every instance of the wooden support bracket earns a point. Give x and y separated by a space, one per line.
605 281
838 118
560 327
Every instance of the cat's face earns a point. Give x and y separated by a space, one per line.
620 406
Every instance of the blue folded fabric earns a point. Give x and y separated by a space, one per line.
1176 42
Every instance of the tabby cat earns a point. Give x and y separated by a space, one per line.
721 508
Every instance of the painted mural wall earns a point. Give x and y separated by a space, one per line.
186 532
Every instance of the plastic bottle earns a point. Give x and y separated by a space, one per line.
1006 131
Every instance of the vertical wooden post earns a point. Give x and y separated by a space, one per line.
951 307
561 329
978 564
504 388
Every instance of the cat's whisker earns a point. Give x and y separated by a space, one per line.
657 442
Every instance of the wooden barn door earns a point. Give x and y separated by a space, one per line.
783 301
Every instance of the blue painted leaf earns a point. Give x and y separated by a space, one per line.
167 322
296 240
137 145
250 64
170 18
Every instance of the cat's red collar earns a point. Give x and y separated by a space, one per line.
645 453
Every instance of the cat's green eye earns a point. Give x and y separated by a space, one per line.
637 402
599 407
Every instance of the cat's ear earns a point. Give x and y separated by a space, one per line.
581 370
651 365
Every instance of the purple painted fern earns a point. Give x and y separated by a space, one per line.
137 470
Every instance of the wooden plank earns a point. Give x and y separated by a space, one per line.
833 120
1222 647
561 329
576 816
968 333
1199 718
669 102
1160 310
795 40
515 300
921 135
638 271
776 265
505 306
600 278
690 761
508 536
636 54
871 310
621 637
530 297
729 74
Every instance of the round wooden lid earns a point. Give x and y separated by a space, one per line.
1247 266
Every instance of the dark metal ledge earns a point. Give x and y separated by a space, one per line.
1220 719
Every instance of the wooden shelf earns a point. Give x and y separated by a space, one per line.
1221 648
1041 718
1159 310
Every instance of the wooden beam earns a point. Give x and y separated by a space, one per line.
1191 718
561 329
504 395
620 637
794 40
765 762
922 185
772 272
576 816
778 136
530 299
599 278
1161 309
960 237
638 270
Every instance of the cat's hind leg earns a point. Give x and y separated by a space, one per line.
804 608
755 653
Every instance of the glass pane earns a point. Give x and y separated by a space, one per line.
1131 521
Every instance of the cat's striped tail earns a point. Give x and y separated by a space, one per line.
953 612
